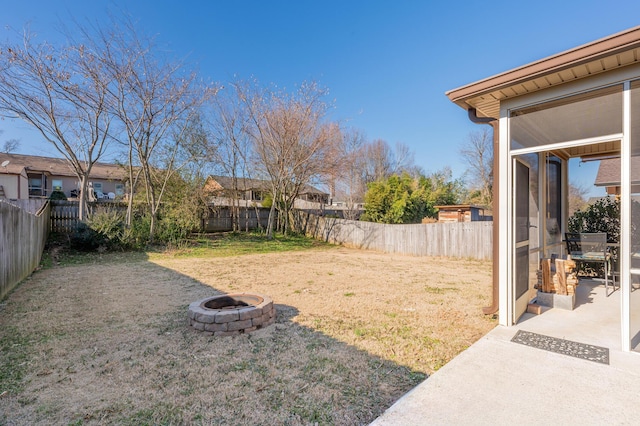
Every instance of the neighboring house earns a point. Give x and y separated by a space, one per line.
30 176
460 213
581 103
13 179
250 191
336 204
609 175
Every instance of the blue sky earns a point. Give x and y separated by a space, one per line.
387 64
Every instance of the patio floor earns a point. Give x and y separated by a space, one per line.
497 381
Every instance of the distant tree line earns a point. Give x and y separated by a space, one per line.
107 91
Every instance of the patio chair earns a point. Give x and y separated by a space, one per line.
591 248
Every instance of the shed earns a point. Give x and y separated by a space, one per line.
460 213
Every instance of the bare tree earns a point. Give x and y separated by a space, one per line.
362 162
232 142
154 100
378 161
403 161
9 145
61 92
291 141
577 197
348 183
477 152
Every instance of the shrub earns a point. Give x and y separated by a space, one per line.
137 236
109 225
57 195
84 238
601 216
175 225
267 201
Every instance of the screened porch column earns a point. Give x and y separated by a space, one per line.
630 222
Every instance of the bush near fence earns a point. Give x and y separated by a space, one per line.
24 226
64 213
463 240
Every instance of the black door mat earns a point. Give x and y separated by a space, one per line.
562 346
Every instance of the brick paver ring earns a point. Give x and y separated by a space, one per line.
232 314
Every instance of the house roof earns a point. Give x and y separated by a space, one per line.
226 182
609 172
245 184
606 54
460 207
11 168
60 166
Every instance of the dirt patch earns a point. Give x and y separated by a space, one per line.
355 330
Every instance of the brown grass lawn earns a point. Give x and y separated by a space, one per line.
108 342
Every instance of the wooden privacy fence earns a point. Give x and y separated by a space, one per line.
64 214
221 218
23 234
464 239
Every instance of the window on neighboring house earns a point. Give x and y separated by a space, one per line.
35 186
97 188
56 184
119 188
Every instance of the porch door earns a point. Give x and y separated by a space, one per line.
522 242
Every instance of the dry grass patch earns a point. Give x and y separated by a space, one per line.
108 342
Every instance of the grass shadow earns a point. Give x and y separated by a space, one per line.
109 342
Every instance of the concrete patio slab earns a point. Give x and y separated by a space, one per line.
497 381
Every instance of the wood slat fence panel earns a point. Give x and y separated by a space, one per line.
221 219
64 216
32 205
22 239
463 240
64 213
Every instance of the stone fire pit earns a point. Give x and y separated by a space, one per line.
232 314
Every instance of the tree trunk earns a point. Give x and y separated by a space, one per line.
151 201
285 222
152 227
82 200
270 221
258 223
246 217
129 216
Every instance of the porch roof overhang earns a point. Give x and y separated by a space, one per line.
606 54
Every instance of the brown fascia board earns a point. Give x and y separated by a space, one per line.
611 45
460 206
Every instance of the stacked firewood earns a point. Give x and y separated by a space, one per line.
558 276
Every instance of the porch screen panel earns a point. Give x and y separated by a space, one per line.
527 223
522 229
522 207
592 114
634 261
553 237
534 163
522 271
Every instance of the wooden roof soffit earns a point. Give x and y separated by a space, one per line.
599 56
